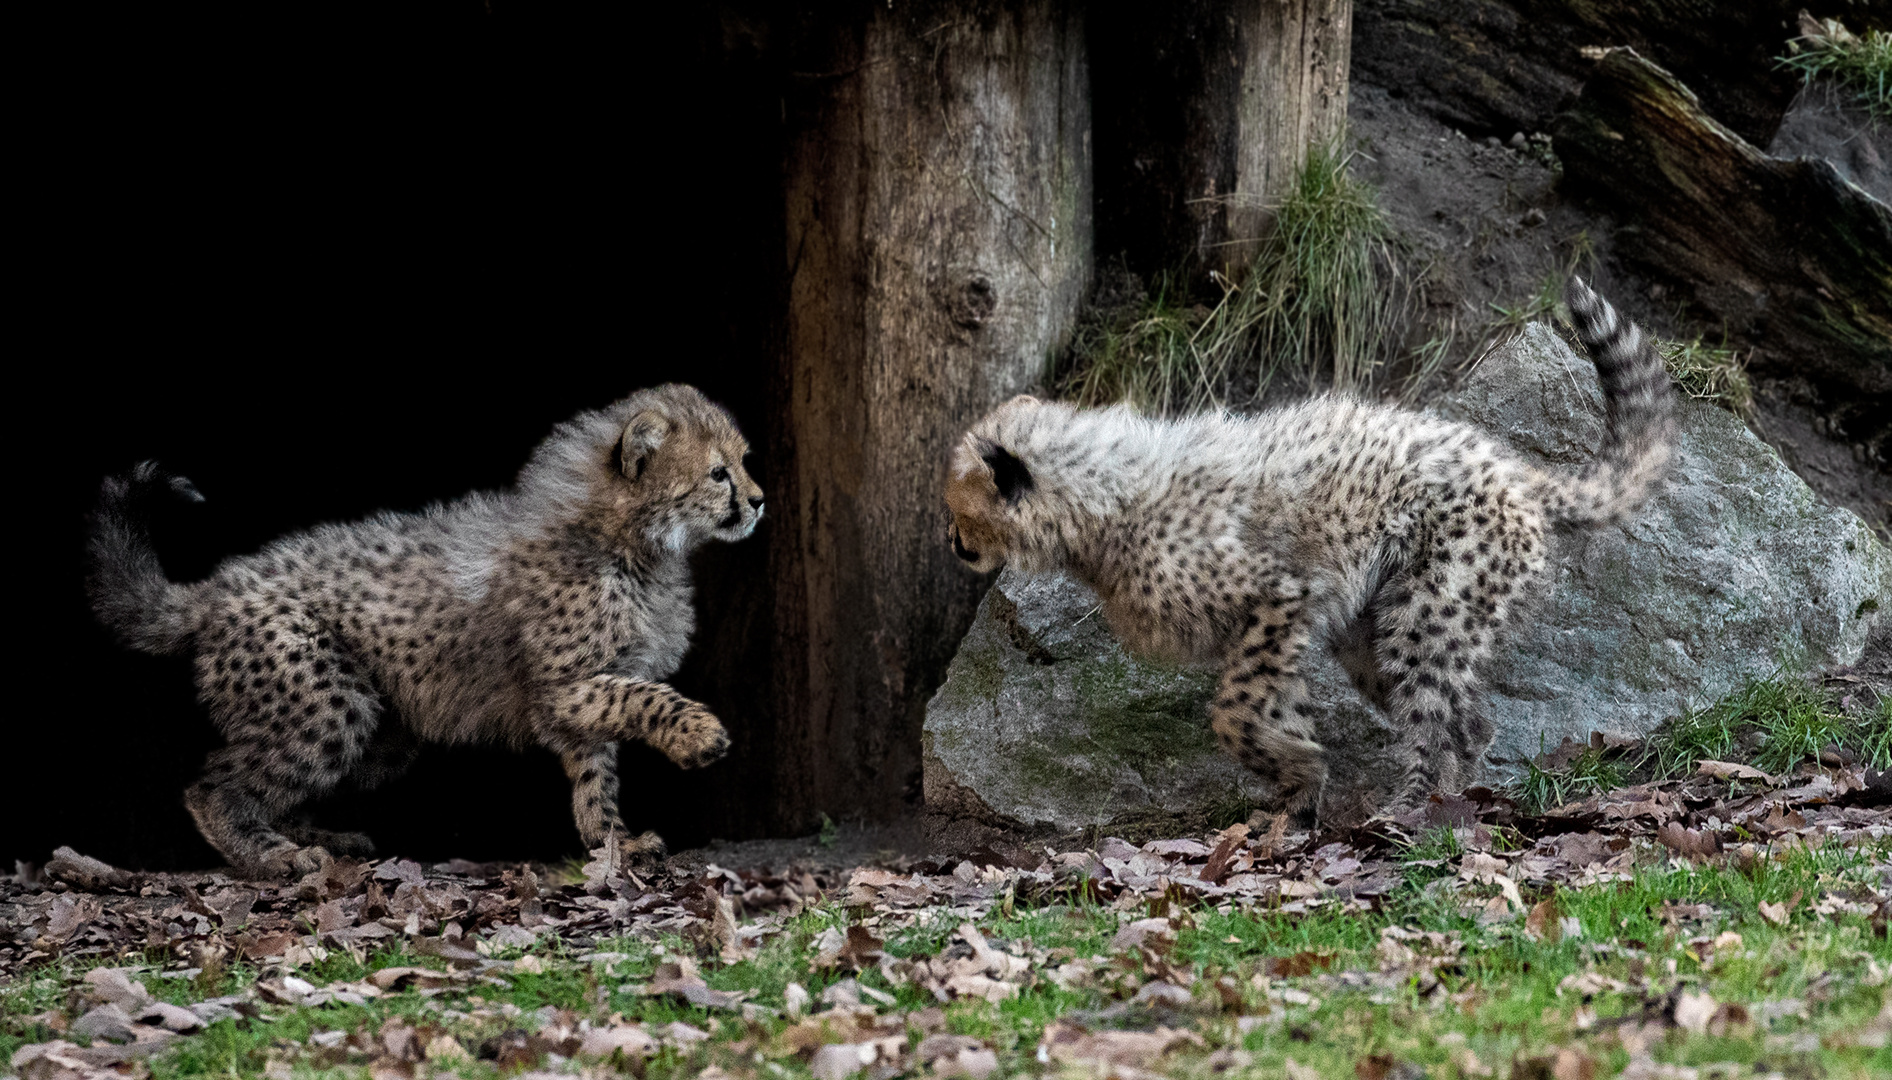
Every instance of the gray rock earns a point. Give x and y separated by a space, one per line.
1829 121
1734 567
107 1021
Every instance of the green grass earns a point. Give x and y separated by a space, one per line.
1773 723
1164 356
1499 999
1320 293
1787 719
1589 773
1508 320
1321 302
1708 373
1861 63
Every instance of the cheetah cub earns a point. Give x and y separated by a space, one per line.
1404 541
548 613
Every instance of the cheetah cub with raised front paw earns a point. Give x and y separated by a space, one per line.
1405 541
548 613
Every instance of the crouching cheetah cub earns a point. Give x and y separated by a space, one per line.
548 613
1404 541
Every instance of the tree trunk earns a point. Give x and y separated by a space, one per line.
938 242
1783 253
1205 111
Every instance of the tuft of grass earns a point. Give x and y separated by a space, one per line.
1545 303
1160 356
1321 290
1591 772
1861 63
1707 373
1696 735
1510 320
1428 359
1433 845
1787 721
1322 301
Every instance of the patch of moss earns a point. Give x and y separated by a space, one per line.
1142 713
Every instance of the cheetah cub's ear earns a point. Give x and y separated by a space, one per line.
1010 476
642 436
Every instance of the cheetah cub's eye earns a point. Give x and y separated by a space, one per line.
719 474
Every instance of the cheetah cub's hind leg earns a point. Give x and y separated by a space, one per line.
1438 627
1261 713
1356 645
389 754
284 748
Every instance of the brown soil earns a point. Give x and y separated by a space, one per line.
1488 227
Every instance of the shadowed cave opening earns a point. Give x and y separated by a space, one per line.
324 273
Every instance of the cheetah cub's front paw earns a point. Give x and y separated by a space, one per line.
693 739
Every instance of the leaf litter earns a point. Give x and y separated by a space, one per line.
461 916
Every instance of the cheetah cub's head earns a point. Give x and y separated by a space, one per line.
985 487
679 461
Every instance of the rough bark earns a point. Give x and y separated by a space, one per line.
1494 67
1784 253
938 241
1204 113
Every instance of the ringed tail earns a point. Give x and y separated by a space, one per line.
130 594
1639 417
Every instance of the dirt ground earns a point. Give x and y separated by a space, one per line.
1488 228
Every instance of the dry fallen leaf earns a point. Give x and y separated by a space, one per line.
1481 868
1591 982
402 978
1728 770
861 951
1568 1063
1133 934
1692 843
1777 913
1302 963
1544 923
679 977
1386 1067
1070 1043
632 1039
1693 1011
957 1055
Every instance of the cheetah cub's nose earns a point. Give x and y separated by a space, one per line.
755 501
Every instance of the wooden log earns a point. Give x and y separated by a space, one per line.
1494 67
1205 110
937 227
1784 253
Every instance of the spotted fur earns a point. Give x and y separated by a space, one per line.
1405 542
547 614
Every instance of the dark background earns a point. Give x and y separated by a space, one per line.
323 265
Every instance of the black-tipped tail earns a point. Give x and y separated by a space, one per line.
1639 416
130 594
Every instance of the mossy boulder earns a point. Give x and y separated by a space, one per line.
1735 566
